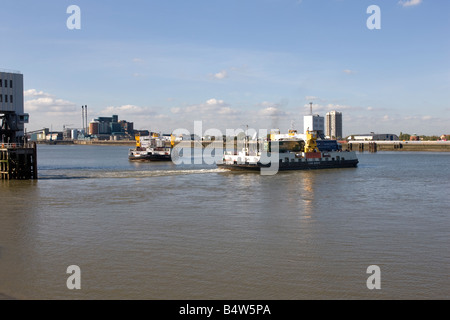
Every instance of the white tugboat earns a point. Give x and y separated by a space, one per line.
152 148
293 154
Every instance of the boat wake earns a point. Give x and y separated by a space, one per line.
125 174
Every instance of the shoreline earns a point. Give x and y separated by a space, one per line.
419 146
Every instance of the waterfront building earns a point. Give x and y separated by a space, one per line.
314 122
12 116
106 126
374 137
333 124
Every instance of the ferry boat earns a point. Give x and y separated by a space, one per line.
152 148
293 154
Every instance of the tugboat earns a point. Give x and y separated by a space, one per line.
152 148
293 154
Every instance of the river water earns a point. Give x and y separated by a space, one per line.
166 231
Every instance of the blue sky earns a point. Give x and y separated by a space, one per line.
165 64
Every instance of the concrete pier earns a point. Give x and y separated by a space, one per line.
18 162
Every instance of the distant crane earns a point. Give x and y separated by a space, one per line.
64 126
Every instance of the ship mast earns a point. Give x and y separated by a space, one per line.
246 141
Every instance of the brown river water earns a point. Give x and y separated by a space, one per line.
166 231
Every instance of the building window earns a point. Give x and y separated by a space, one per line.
1 83
6 98
1 98
10 83
11 98
6 83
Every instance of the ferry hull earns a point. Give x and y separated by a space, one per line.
153 157
151 148
293 165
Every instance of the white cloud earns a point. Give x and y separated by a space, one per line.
208 109
271 110
175 110
46 110
211 105
33 93
127 110
215 102
338 107
149 118
409 3
348 71
220 75
47 104
317 108
227 111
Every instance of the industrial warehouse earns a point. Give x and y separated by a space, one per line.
98 129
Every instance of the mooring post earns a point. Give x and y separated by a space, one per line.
35 173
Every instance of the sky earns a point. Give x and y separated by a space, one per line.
164 64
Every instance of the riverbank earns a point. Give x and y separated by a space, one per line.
90 142
427 146
106 142
424 146
419 146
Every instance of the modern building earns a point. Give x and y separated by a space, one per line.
333 127
12 114
314 122
127 127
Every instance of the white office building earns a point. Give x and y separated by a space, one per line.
313 122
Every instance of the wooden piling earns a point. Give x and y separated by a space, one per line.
372 147
361 147
18 162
